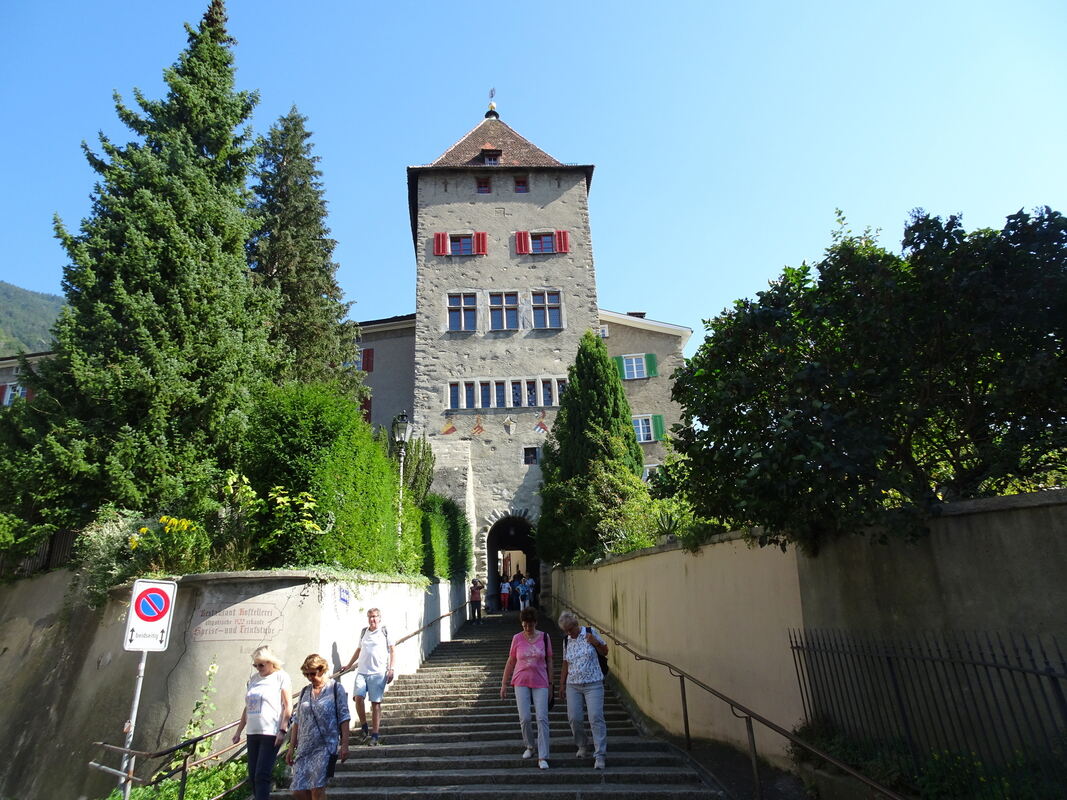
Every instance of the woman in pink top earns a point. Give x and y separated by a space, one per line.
529 667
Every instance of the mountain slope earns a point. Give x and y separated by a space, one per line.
26 319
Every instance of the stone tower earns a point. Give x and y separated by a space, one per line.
505 288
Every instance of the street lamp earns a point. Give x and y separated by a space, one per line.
401 434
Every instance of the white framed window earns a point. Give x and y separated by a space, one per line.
603 333
547 311
633 367
463 312
494 392
647 471
643 428
11 391
504 311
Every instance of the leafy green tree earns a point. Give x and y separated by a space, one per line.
164 335
884 384
591 490
291 251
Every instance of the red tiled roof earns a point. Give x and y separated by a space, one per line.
492 134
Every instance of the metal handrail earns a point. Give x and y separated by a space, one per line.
747 714
186 765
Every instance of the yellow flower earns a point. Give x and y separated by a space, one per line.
134 541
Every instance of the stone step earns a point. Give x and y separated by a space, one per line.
461 707
390 735
556 725
562 755
447 735
489 791
527 775
495 746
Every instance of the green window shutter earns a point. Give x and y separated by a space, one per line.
619 367
658 433
650 365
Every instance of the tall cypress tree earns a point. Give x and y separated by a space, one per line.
165 336
592 461
291 251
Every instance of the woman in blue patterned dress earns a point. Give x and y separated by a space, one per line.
319 731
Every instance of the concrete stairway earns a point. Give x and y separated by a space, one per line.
447 734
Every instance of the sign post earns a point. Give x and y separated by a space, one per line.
147 628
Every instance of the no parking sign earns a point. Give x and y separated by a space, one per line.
151 609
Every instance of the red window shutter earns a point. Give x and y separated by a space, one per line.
522 243
481 243
440 244
563 242
30 394
365 408
368 359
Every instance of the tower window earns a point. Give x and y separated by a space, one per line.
491 158
546 310
522 184
453 395
530 455
542 242
504 311
462 312
485 185
462 245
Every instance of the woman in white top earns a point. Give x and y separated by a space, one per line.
265 719
582 685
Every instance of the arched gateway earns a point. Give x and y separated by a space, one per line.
510 548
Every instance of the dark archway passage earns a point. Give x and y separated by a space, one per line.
510 535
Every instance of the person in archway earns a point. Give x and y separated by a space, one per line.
476 600
524 594
374 669
582 685
531 592
505 596
529 669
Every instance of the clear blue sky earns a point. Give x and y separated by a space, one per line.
724 134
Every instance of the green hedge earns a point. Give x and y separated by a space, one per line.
312 438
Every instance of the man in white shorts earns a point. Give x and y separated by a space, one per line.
374 668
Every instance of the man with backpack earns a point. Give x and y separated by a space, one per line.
374 669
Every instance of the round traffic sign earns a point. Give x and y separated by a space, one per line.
152 604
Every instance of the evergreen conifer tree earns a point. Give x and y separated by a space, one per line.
165 336
291 251
592 462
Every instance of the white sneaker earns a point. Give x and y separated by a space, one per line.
542 764
527 753
582 753
598 764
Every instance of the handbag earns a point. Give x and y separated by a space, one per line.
551 686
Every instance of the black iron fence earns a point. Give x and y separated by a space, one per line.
961 715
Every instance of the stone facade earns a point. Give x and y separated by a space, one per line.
505 288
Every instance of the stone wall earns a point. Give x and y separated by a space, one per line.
723 614
66 674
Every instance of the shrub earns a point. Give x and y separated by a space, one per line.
311 438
